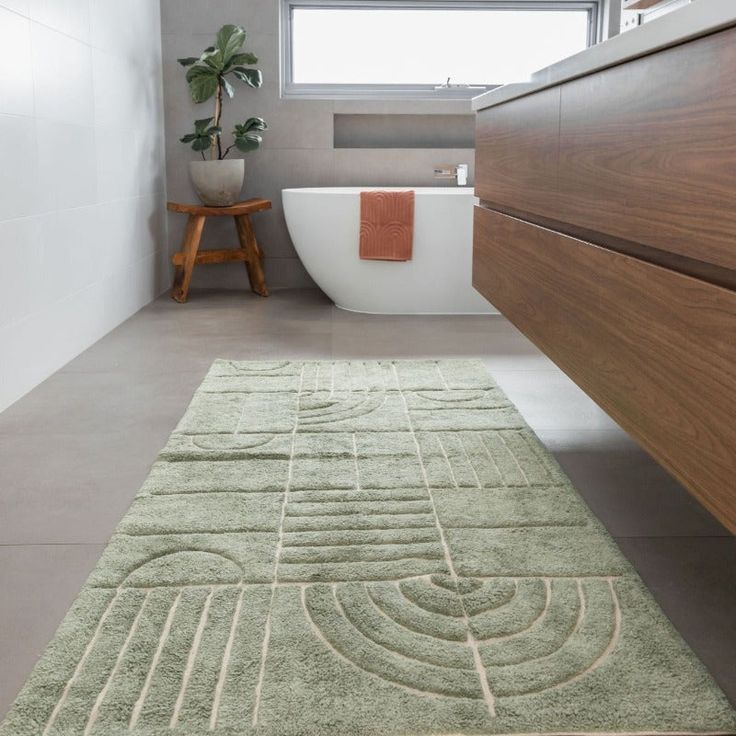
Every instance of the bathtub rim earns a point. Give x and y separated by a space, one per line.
353 190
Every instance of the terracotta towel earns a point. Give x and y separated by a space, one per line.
386 225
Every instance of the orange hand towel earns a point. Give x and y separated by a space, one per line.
386 225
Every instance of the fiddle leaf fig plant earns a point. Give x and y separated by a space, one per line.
207 76
203 136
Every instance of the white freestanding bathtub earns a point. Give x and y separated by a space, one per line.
324 224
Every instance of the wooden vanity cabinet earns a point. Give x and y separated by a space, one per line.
606 232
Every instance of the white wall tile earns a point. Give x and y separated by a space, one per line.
118 160
151 216
70 245
82 206
127 28
152 160
62 76
68 16
119 98
67 165
19 6
120 228
19 195
16 81
19 276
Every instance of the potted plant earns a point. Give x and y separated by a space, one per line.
218 180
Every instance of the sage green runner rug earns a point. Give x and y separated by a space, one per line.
362 549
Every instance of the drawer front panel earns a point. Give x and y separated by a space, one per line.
516 153
647 151
653 347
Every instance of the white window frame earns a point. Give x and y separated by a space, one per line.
293 90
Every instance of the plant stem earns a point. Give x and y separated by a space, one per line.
218 117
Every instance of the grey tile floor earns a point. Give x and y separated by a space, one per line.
75 450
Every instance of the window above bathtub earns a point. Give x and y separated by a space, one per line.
431 49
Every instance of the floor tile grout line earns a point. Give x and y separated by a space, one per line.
54 544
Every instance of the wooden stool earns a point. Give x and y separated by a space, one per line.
249 252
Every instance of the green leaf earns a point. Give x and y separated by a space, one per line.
252 77
214 60
202 143
200 126
188 61
248 141
230 40
244 58
229 91
203 82
255 124
204 134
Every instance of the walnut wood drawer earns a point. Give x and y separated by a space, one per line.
626 157
516 154
655 348
647 151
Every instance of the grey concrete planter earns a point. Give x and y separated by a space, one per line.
218 183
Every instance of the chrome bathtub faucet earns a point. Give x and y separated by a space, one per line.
453 171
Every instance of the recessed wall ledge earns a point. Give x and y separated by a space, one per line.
698 19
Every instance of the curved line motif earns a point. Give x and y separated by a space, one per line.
576 627
460 634
339 413
432 580
445 596
432 611
378 649
257 368
477 611
613 641
604 653
481 621
540 617
155 558
316 406
231 442
547 635
385 677
369 634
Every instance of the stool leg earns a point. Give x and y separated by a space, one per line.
190 246
249 244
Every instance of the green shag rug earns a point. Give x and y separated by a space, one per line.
362 549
